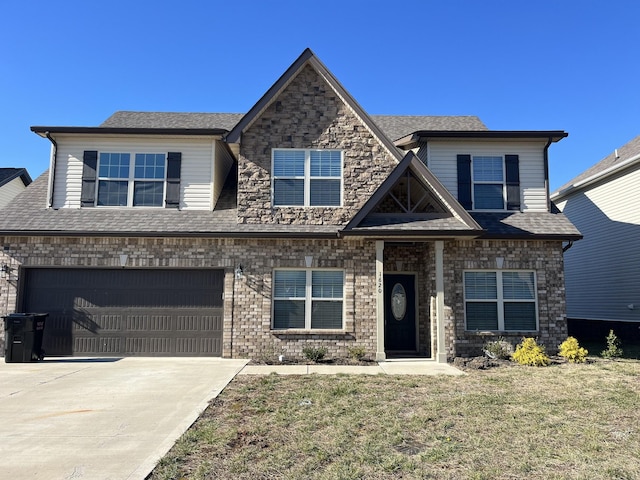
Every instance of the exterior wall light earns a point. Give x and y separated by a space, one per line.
239 271
5 271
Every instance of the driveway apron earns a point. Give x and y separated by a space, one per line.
101 418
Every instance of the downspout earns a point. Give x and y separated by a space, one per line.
52 168
567 246
546 172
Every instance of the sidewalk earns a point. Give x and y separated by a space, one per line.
392 367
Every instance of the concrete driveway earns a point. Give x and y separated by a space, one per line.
100 418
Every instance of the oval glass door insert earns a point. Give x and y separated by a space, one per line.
398 302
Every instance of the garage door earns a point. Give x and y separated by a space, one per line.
151 312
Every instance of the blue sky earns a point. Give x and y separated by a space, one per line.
544 65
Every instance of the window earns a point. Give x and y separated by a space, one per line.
310 178
488 183
307 299
500 301
134 180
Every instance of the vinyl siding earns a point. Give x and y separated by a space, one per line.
9 190
441 159
603 270
196 169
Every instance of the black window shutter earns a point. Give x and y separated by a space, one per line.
464 181
90 165
512 166
174 162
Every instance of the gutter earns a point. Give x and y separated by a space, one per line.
52 168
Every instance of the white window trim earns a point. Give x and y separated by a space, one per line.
307 177
480 182
308 300
500 299
131 180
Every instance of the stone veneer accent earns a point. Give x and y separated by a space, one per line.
247 307
308 114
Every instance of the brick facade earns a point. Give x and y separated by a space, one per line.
247 307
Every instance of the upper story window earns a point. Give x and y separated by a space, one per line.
128 179
136 180
309 178
500 300
489 182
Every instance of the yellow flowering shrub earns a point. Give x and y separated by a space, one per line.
573 352
528 352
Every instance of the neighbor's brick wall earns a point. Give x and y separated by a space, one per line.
247 306
544 257
308 114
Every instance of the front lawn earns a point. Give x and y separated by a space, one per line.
565 421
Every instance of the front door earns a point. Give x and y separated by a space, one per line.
399 312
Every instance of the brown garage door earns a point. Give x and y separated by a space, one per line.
153 312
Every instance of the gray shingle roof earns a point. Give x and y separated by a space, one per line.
394 126
627 151
32 217
126 119
527 224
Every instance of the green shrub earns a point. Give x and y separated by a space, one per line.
357 353
613 349
498 349
314 354
528 352
573 352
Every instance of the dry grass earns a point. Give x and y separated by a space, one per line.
560 422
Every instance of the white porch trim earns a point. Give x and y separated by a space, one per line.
380 354
441 353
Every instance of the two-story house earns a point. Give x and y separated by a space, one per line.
305 221
603 270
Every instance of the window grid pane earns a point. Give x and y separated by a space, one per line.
487 169
482 316
324 193
148 194
288 163
149 165
520 316
326 284
288 192
114 165
112 193
518 285
325 163
290 283
326 314
480 285
488 196
288 314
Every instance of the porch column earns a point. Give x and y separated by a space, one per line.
441 353
380 355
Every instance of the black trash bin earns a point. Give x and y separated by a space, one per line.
23 334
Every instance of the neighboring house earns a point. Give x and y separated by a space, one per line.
12 182
603 270
305 221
